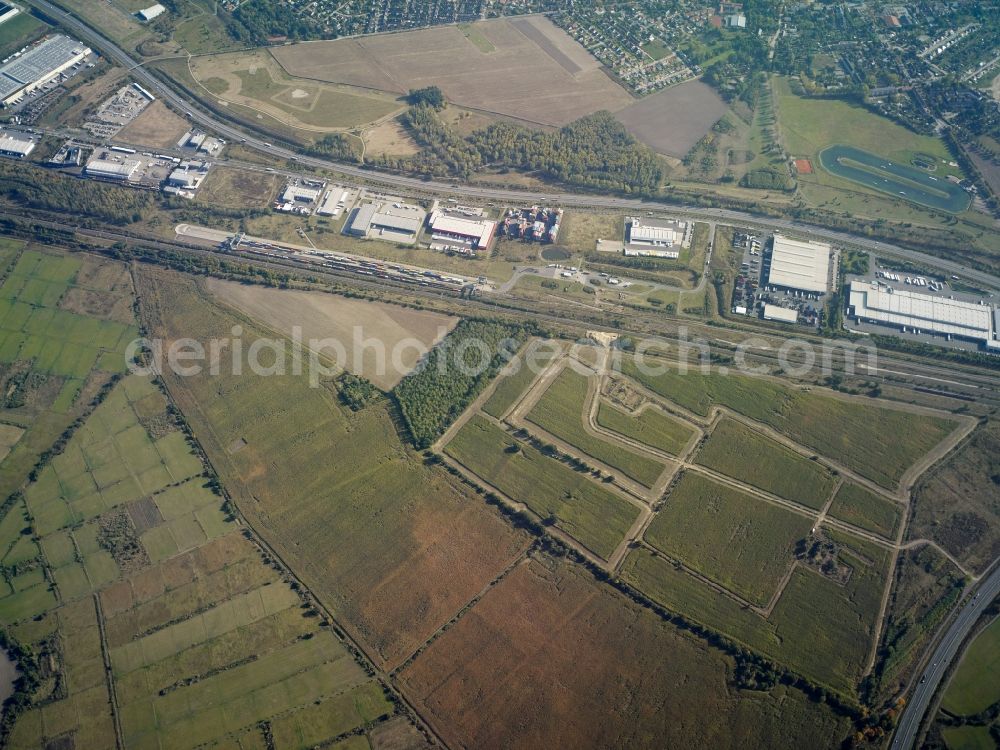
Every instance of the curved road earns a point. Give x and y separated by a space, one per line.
209 122
987 589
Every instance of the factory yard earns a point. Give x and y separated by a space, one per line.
328 316
536 73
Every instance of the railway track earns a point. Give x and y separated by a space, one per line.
963 382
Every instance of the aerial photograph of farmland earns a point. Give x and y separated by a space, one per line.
474 374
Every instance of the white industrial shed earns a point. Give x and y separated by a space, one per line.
112 170
870 301
800 264
17 146
780 314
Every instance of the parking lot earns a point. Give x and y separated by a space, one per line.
751 292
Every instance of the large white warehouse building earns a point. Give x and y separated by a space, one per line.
870 301
39 65
800 264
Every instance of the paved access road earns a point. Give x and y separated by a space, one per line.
984 592
516 197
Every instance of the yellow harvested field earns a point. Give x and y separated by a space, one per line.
536 73
403 334
156 126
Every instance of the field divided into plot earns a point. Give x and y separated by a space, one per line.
738 451
838 428
652 427
389 542
819 628
863 508
538 660
741 542
560 412
595 516
534 358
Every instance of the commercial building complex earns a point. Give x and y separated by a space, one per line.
38 65
470 234
16 145
800 264
107 169
874 302
398 222
656 238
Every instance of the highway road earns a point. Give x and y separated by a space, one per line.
986 590
199 116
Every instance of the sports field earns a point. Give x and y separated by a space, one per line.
887 176
526 52
597 517
560 413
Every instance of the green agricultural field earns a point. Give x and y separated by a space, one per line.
739 451
974 687
968 738
560 412
652 427
819 628
854 504
741 542
511 387
840 429
369 525
597 517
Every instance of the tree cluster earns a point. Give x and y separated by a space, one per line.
453 373
355 392
430 96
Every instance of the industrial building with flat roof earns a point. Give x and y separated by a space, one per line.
112 170
656 238
873 302
153 11
38 65
780 314
398 223
800 264
474 234
16 145
8 11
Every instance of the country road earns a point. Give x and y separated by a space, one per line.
987 589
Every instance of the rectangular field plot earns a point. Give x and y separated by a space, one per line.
820 628
394 545
510 387
842 429
597 517
651 426
560 412
546 651
741 542
738 451
857 505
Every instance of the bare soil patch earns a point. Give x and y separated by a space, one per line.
541 657
389 138
671 121
508 81
155 126
323 316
